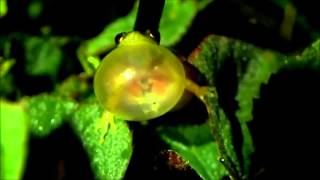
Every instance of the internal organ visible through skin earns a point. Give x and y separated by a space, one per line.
156 84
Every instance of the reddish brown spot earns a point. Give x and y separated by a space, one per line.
160 83
174 160
194 54
134 88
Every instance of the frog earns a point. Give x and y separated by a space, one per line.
140 80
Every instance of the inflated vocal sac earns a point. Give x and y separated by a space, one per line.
139 80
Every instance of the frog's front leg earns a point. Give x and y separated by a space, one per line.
200 91
103 125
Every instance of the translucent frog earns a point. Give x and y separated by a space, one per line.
140 80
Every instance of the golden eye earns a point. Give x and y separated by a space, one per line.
155 35
119 37
139 80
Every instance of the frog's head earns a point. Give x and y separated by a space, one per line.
135 37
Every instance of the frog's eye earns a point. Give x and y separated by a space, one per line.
119 37
139 80
155 35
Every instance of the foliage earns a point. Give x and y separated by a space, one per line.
46 113
109 158
196 144
175 12
3 8
209 148
14 135
43 57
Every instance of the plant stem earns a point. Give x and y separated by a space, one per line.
149 15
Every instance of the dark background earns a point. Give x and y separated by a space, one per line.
284 129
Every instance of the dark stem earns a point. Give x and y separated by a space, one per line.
149 14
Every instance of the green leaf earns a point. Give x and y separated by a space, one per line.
43 57
6 85
5 46
73 87
254 67
35 9
47 112
300 19
3 8
260 68
221 131
5 66
310 57
196 145
6 78
13 136
179 12
247 147
104 41
262 65
109 160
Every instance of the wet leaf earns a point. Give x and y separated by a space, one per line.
310 57
47 112
109 159
197 146
254 67
221 130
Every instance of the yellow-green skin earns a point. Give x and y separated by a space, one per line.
139 80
